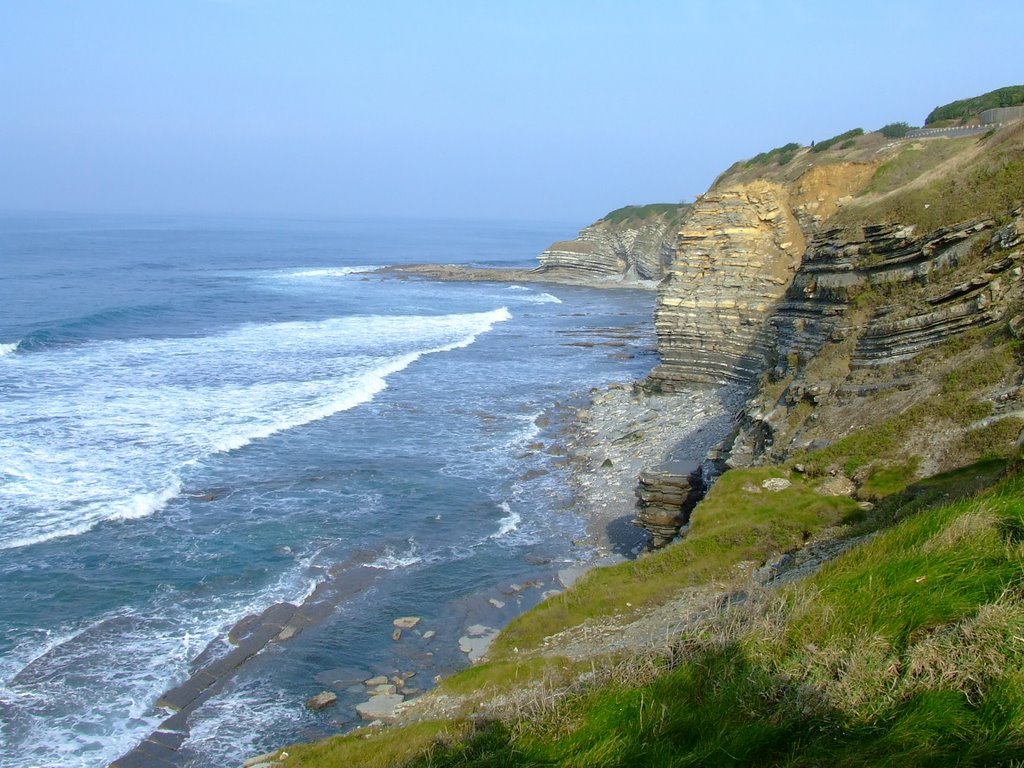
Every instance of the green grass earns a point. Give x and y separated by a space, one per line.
912 161
887 479
959 402
906 651
381 749
738 521
992 439
639 213
980 373
989 186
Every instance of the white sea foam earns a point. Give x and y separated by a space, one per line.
546 298
391 560
7 349
535 298
236 723
529 432
110 430
129 660
507 524
330 271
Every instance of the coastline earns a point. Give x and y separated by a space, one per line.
620 423
454 273
424 654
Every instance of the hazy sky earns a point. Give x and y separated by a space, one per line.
541 110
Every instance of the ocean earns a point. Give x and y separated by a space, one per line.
200 418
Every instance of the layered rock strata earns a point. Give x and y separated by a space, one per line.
666 494
638 247
857 307
736 257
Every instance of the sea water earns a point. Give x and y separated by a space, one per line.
200 418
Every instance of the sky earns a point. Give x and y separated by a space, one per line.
543 111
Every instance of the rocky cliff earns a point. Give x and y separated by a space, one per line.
866 287
875 325
636 243
736 255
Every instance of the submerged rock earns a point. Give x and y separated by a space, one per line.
477 640
322 700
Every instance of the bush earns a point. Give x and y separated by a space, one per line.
821 146
894 130
780 155
638 213
1011 96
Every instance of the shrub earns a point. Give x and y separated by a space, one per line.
642 212
894 130
821 146
780 155
1010 96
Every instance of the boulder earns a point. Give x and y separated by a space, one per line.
322 700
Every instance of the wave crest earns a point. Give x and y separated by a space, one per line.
117 443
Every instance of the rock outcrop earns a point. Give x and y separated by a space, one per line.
666 494
736 257
634 243
797 281
859 308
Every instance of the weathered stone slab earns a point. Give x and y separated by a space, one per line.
380 707
180 697
477 640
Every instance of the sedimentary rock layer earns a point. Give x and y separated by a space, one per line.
666 495
736 257
867 304
638 247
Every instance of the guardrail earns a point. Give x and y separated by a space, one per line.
958 130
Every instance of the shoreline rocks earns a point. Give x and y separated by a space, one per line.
477 640
322 700
666 494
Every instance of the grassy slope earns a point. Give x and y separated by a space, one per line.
637 214
991 184
908 650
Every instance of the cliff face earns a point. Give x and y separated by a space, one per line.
871 327
635 243
735 258
802 282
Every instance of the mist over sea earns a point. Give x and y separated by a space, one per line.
200 418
